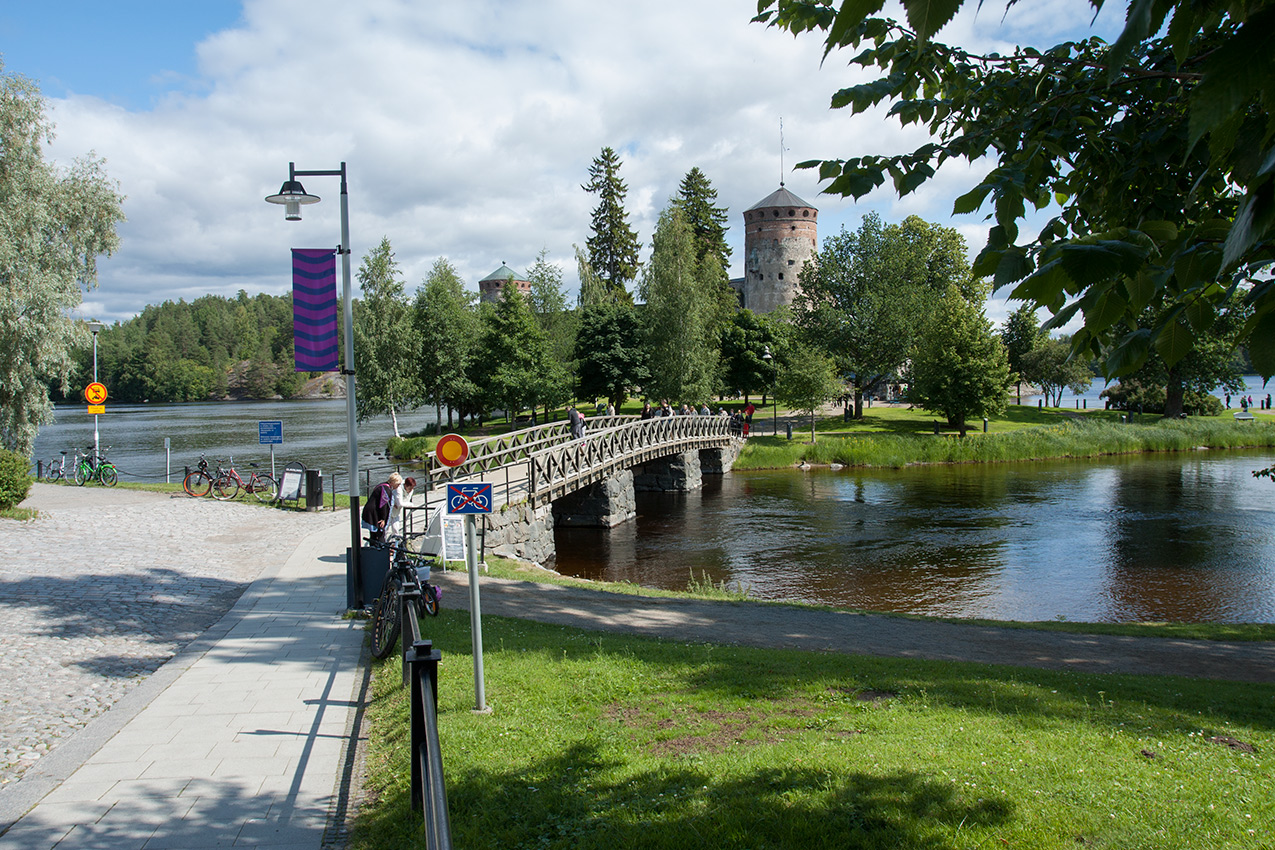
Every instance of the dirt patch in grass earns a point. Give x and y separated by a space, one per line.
709 731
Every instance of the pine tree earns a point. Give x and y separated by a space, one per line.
614 246
696 199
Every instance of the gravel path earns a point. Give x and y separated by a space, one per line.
104 587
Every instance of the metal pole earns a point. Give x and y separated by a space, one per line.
97 450
475 612
350 408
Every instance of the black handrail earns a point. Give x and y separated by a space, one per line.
420 673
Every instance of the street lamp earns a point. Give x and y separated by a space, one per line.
292 196
774 376
95 328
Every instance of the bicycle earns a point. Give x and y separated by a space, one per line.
404 576
198 482
55 470
260 484
92 466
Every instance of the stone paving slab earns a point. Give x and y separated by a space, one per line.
210 750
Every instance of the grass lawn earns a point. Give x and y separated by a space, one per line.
607 741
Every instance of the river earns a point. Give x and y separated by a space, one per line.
1187 537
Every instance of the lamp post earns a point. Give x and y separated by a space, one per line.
774 376
95 328
292 196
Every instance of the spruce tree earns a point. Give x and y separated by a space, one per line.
696 198
613 247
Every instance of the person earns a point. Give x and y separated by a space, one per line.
748 418
647 412
576 418
610 409
376 512
704 411
1243 404
1228 401
402 497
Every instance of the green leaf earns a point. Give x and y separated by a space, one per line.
1108 310
1129 354
1088 263
1261 344
971 200
1200 313
1174 340
1199 264
1141 288
1044 286
1014 265
1161 232
929 16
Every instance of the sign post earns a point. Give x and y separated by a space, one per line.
471 500
270 433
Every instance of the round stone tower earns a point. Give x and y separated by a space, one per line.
780 234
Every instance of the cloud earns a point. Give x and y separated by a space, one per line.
467 129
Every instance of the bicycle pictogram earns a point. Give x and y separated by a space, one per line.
469 498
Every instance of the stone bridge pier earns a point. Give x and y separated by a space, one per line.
527 533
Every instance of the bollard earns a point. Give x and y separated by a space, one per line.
984 424
1040 404
1123 419
1086 405
789 426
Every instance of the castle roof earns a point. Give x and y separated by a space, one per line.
781 197
503 274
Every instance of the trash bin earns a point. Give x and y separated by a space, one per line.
313 489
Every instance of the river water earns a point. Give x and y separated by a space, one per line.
1187 537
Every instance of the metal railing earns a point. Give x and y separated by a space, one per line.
420 674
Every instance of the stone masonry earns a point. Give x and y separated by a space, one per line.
603 504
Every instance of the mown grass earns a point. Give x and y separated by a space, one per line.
1081 438
609 741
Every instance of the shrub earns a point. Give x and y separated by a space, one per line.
15 479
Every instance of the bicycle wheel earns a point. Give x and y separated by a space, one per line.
385 614
53 473
265 488
429 599
82 474
197 483
225 487
108 475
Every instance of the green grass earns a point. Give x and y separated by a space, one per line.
1092 436
607 741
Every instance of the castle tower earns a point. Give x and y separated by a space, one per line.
491 288
780 234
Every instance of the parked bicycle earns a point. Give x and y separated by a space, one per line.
260 484
199 481
404 576
55 470
92 466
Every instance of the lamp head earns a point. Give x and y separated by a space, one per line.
766 353
94 327
292 195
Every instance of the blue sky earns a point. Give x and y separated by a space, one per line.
467 127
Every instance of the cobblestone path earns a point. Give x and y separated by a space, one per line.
107 585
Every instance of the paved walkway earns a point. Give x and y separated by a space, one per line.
240 739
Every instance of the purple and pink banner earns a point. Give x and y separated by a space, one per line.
314 330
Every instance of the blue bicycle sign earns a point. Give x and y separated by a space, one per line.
469 498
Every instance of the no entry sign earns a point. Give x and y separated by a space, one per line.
452 450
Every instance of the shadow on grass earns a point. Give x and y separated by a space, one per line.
579 799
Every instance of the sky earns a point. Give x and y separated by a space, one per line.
467 126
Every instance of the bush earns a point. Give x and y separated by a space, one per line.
15 479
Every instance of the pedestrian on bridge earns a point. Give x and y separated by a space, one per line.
576 418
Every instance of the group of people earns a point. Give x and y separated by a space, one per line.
1247 401
383 512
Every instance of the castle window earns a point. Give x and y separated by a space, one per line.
791 213
792 227
805 213
781 275
792 262
776 213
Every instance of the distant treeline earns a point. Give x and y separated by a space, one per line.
211 348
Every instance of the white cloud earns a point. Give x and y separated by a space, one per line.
468 129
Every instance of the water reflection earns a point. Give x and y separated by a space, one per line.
1176 537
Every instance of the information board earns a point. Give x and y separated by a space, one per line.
453 539
290 485
270 432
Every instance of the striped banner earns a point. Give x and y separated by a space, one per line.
314 331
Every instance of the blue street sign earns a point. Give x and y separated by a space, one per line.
270 432
469 498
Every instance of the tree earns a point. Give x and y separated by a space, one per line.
1021 335
697 199
807 380
960 369
385 339
513 366
680 316
548 302
609 354
54 224
745 340
1156 149
613 247
447 331
864 296
1054 367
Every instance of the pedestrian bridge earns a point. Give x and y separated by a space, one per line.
542 477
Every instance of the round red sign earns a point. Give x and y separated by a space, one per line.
452 450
